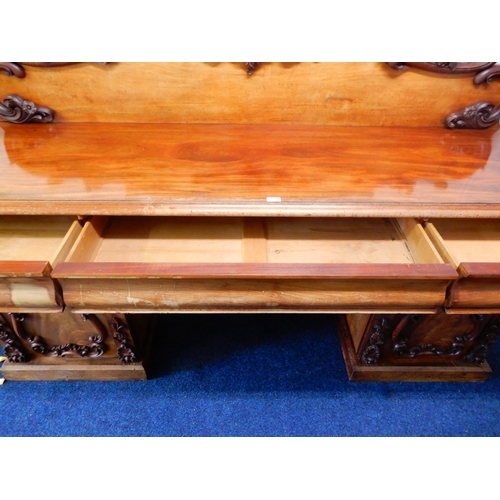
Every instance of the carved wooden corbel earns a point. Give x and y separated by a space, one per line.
16 109
480 115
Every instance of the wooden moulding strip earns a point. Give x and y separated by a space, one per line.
255 270
479 269
239 208
24 269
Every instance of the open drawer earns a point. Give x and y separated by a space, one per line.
472 246
29 248
151 264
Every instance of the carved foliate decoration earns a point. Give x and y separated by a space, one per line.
252 66
16 109
373 350
457 347
484 342
38 344
481 115
94 350
121 334
11 346
96 347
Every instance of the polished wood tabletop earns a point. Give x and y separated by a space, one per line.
195 169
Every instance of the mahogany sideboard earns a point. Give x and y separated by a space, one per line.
184 187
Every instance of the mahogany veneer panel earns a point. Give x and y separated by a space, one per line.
178 169
473 248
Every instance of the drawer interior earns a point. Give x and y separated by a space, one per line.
253 240
36 238
466 240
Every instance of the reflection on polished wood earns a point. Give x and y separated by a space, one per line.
234 169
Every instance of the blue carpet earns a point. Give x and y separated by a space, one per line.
250 375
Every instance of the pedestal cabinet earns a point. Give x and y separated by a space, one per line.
418 347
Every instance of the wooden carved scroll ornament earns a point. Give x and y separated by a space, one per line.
17 69
483 70
478 116
12 69
251 67
16 109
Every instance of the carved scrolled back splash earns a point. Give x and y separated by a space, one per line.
16 109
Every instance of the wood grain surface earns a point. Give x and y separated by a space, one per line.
204 170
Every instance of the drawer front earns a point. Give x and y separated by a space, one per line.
472 247
29 294
199 264
243 294
29 248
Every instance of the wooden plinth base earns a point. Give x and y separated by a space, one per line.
22 371
358 372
